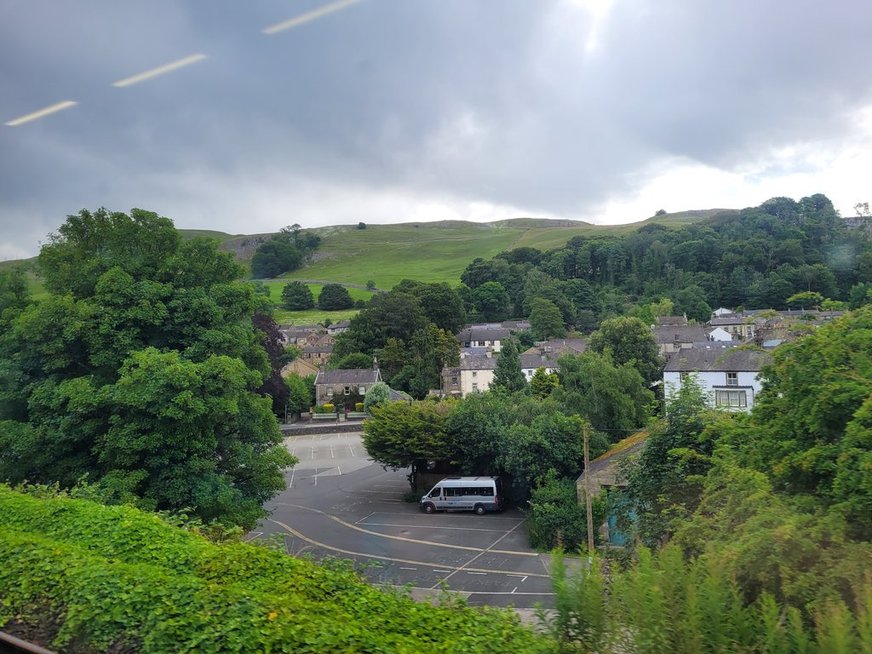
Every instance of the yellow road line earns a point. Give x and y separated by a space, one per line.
316 543
407 540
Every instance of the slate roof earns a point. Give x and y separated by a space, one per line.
717 359
677 333
318 349
479 334
663 321
533 361
557 347
350 376
478 363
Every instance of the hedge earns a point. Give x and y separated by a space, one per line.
115 577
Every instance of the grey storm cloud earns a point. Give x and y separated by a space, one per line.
538 105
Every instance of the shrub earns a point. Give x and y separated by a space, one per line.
109 579
358 406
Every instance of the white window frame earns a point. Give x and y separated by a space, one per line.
732 399
732 378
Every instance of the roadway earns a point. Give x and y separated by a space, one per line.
338 503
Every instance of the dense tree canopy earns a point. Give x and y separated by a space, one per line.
628 340
141 370
334 297
297 296
283 252
757 258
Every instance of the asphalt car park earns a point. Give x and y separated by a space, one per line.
338 503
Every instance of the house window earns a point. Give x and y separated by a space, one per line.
475 388
731 399
682 376
474 373
454 380
329 391
732 379
361 390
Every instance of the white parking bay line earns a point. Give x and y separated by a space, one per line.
402 568
441 572
476 573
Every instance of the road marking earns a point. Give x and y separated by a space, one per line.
351 449
293 472
362 519
308 17
41 113
332 455
415 540
252 536
340 470
413 526
476 573
424 564
474 592
514 589
478 555
315 476
403 568
160 70
523 578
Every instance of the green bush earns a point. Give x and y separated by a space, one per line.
110 578
324 408
358 406
555 518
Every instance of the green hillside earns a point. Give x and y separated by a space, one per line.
429 252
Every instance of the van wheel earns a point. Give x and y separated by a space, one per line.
479 509
428 507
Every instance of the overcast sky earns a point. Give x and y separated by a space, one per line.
400 110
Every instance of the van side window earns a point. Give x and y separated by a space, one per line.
435 492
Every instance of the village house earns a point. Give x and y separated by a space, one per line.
544 354
474 375
344 388
672 337
729 376
301 334
299 367
317 354
490 338
338 327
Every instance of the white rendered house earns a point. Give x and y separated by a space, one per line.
729 376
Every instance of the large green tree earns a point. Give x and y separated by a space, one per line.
811 427
297 296
628 341
546 321
334 297
508 375
145 345
400 434
613 398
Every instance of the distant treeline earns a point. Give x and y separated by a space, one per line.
757 257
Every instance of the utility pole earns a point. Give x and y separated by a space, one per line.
587 500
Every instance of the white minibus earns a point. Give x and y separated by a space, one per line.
479 494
